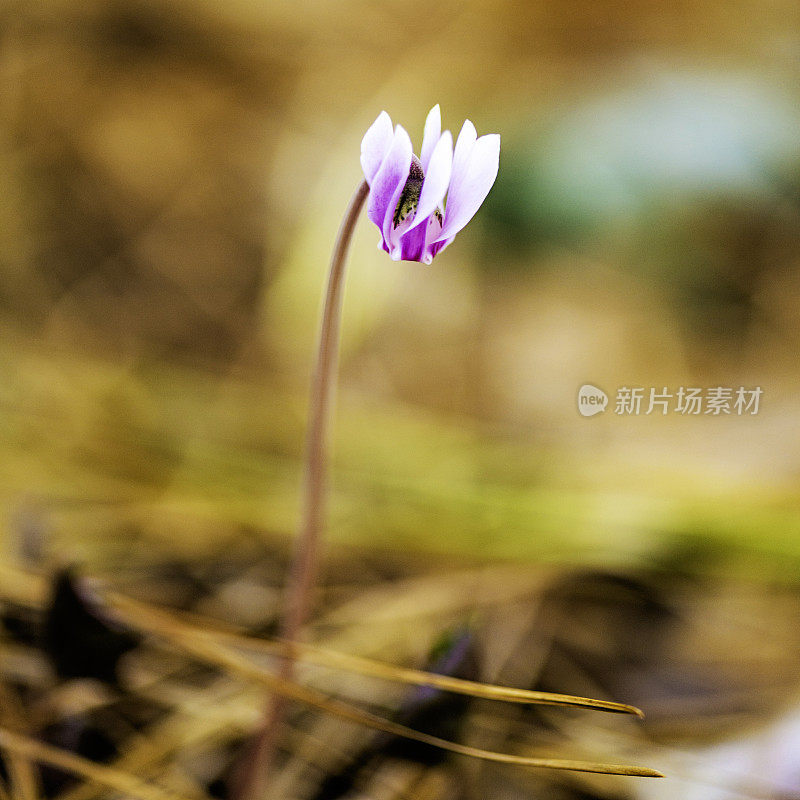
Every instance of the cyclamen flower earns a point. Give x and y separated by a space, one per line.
407 194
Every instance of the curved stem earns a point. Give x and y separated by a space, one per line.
306 556
305 563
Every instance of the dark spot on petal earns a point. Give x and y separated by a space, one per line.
415 173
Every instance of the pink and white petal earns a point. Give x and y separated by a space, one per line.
433 130
436 248
402 145
375 145
437 179
467 196
432 230
389 180
463 152
412 244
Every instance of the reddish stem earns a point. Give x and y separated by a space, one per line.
254 775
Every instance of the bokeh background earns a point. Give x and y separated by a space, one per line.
173 177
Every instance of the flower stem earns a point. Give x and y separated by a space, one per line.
253 779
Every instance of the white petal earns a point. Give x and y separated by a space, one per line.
375 145
389 181
463 152
433 130
401 155
437 179
468 189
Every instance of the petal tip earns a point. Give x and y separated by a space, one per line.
434 115
492 139
375 144
469 126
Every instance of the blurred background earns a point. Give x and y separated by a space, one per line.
174 173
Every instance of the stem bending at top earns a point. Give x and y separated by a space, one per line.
306 555
305 563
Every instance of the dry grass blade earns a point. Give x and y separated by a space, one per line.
206 718
23 777
204 646
379 669
21 771
22 586
96 773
